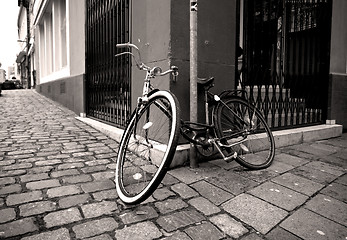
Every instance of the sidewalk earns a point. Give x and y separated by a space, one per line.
56 183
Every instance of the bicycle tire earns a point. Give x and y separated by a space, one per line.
140 166
257 150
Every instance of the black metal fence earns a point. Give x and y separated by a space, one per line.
286 59
108 80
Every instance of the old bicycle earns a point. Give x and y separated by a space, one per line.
233 128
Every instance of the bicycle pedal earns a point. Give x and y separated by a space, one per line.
147 125
244 148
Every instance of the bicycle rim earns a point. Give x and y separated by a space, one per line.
147 147
243 127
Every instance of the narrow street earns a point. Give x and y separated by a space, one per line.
56 182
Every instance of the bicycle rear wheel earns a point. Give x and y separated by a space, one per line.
241 126
147 147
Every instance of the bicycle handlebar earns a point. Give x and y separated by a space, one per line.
156 71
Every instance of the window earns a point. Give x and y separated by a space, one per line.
53 42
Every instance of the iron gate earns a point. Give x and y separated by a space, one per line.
286 59
108 80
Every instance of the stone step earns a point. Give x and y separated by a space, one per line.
282 138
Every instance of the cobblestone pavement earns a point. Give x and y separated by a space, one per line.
56 183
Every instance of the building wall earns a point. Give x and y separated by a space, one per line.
60 76
161 30
337 107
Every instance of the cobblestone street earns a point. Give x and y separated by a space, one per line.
56 182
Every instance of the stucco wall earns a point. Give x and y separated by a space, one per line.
161 30
337 107
67 91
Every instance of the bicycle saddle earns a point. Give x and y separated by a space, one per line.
206 81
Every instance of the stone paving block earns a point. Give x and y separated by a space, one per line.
12 173
43 184
68 172
257 213
184 190
280 167
7 162
63 191
279 196
215 194
140 231
203 205
59 234
325 167
280 233
313 149
98 186
229 225
169 180
163 193
253 236
97 162
204 231
62 217
34 177
314 174
82 178
100 237
48 162
17 166
82 154
138 214
104 175
36 208
311 226
7 214
96 227
14 188
224 164
74 200
7 180
258 176
336 190
106 155
298 183
17 157
99 209
170 205
290 159
46 154
65 166
329 207
19 198
177 236
31 160
93 169
36 170
335 160
185 175
232 182
180 219
106 194
19 227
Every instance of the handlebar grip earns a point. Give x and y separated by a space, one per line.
122 45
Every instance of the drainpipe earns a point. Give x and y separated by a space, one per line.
193 75
27 6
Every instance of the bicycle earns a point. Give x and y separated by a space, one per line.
237 131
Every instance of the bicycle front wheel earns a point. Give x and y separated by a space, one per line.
244 130
147 147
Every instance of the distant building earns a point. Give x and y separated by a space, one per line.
2 75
